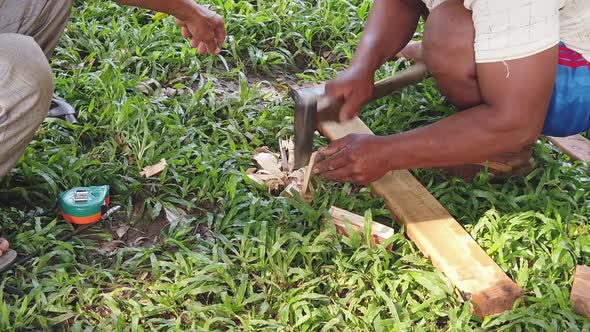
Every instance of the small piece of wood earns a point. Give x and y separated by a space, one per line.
289 148
315 156
379 232
580 295
154 169
284 155
268 162
576 146
439 236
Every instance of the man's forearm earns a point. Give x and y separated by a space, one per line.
512 115
181 9
390 27
466 137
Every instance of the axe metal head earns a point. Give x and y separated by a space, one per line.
311 106
305 124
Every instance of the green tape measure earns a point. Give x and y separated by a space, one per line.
84 205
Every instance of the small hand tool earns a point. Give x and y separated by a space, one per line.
83 206
312 106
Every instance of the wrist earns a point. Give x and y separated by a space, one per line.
189 10
391 150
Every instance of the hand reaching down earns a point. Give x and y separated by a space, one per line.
205 29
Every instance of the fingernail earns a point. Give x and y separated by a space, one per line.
217 51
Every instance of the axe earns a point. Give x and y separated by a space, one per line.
312 106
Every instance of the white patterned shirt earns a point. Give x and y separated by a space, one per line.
512 29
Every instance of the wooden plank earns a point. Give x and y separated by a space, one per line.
379 232
576 146
580 295
439 236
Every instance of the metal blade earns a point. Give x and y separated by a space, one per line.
305 126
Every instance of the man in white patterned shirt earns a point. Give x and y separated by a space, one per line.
516 69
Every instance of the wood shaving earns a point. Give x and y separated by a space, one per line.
268 162
154 169
122 230
276 173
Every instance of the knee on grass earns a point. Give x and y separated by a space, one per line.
26 89
24 66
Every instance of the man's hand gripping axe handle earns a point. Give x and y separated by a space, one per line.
313 106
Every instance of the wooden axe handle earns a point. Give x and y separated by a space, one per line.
407 77
328 108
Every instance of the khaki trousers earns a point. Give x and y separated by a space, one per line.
29 31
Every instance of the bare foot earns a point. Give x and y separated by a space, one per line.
412 51
4 245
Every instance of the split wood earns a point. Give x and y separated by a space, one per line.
379 232
439 236
276 173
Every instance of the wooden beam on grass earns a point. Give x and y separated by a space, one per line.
439 236
379 232
580 295
576 146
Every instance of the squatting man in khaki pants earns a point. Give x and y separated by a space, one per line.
29 32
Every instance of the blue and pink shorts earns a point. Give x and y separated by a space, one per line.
569 109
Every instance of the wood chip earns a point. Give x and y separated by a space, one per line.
315 157
290 146
379 232
268 162
276 171
255 178
122 230
283 146
154 169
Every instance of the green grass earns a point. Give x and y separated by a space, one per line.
242 259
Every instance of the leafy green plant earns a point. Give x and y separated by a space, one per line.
242 259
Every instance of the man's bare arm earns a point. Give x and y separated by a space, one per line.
204 27
390 26
516 96
181 9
